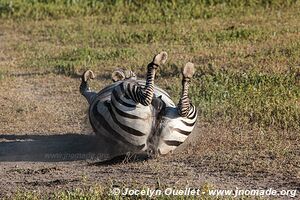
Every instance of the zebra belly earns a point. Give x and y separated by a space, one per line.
131 124
133 133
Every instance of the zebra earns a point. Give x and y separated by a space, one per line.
139 116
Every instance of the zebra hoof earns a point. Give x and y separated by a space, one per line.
188 70
160 58
87 75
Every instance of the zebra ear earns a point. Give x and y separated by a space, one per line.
188 70
161 58
117 75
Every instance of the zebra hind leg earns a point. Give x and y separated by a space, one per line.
84 86
145 95
184 104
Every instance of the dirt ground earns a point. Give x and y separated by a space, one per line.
46 145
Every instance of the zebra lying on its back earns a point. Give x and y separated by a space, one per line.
138 115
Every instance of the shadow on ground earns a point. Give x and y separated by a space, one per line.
53 148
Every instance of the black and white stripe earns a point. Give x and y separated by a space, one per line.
140 116
131 122
175 128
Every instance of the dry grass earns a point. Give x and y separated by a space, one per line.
246 85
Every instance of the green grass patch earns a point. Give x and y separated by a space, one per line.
70 62
125 11
263 100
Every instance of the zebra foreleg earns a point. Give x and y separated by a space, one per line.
145 95
84 86
184 104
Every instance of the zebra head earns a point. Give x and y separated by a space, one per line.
121 74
